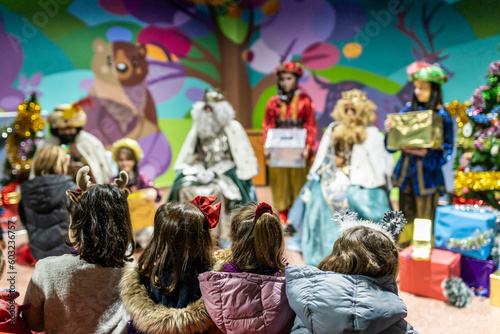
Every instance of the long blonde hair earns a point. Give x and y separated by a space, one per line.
352 131
50 159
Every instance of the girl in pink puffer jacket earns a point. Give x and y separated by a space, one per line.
246 292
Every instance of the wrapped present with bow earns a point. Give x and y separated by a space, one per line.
415 129
465 229
476 274
424 278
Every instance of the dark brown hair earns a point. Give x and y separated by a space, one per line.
130 156
362 250
257 244
101 227
181 244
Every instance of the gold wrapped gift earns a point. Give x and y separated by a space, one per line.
495 288
418 129
422 240
142 212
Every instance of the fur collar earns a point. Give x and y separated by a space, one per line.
154 318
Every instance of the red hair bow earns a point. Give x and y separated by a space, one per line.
263 208
211 212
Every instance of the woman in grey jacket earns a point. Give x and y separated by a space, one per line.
354 290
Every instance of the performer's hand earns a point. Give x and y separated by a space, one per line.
305 153
267 155
206 176
388 125
419 152
150 195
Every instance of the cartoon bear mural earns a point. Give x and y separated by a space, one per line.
122 105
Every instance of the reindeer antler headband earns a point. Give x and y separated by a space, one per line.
83 182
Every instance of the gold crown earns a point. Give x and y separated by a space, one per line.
354 95
213 95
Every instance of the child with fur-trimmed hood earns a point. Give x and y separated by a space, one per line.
162 292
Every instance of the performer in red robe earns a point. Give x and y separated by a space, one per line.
290 108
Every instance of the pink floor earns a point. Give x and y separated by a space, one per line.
426 315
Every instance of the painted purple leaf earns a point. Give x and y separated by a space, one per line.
23 82
165 79
194 94
36 79
278 36
350 18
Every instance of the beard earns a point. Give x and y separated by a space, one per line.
210 124
66 139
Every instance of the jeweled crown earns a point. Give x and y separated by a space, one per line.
354 95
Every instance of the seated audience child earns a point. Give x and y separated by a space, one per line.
354 290
246 292
162 293
10 322
43 203
79 293
128 154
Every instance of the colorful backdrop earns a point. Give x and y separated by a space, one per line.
144 63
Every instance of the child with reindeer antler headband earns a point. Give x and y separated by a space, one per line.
246 292
78 293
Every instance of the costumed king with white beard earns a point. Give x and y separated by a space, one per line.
216 159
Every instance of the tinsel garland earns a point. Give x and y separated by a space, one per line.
27 126
495 250
457 292
475 241
459 111
477 181
479 208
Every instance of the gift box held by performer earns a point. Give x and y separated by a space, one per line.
290 108
418 172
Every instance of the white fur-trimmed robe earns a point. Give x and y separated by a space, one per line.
239 144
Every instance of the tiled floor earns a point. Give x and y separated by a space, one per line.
426 315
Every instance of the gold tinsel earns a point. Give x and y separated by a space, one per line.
28 123
28 120
477 181
458 110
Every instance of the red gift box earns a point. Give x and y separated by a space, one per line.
424 278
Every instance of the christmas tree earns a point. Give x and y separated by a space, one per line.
20 139
477 180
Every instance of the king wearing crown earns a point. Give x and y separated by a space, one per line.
350 170
216 159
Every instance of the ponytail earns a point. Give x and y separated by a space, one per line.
257 239
269 241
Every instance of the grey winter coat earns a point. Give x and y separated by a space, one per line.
328 302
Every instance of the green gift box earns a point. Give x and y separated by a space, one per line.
416 129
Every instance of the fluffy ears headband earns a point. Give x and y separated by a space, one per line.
83 182
391 224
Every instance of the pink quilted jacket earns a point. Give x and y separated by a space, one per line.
246 302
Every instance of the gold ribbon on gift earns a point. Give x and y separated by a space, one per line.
11 198
477 181
419 129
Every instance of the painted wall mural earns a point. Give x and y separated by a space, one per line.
143 63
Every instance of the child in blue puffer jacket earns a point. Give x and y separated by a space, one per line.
353 289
